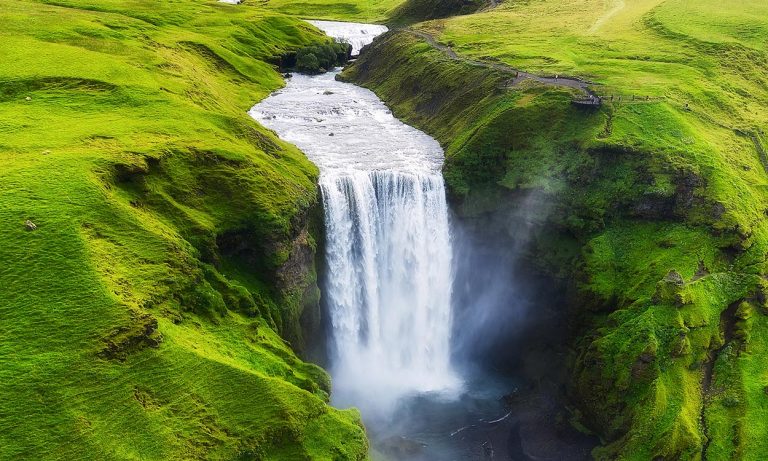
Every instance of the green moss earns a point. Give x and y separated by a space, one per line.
368 11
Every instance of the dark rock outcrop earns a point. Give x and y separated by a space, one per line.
141 333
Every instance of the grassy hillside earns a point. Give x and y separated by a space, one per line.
651 209
173 239
367 11
411 11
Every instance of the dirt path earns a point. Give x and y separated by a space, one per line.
608 14
519 75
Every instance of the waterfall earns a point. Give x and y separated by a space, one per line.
388 243
357 35
388 254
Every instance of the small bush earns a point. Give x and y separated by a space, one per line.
321 58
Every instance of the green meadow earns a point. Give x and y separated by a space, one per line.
367 11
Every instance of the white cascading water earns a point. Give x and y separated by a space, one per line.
357 35
388 244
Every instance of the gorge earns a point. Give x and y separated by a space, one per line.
426 388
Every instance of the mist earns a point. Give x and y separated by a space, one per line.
497 297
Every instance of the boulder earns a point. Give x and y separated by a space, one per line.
401 447
671 290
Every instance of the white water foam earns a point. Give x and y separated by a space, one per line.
357 35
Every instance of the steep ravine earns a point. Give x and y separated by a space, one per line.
388 279
607 232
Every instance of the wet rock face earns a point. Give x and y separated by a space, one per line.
526 332
401 447
301 260
297 279
544 432
535 427
653 206
290 266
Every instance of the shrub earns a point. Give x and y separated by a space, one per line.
307 62
320 58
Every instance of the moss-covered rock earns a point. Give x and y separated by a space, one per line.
671 290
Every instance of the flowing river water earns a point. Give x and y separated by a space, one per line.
389 261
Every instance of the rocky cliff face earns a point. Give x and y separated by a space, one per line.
292 272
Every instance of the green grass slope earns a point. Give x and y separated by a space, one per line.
651 212
173 241
366 11
411 11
